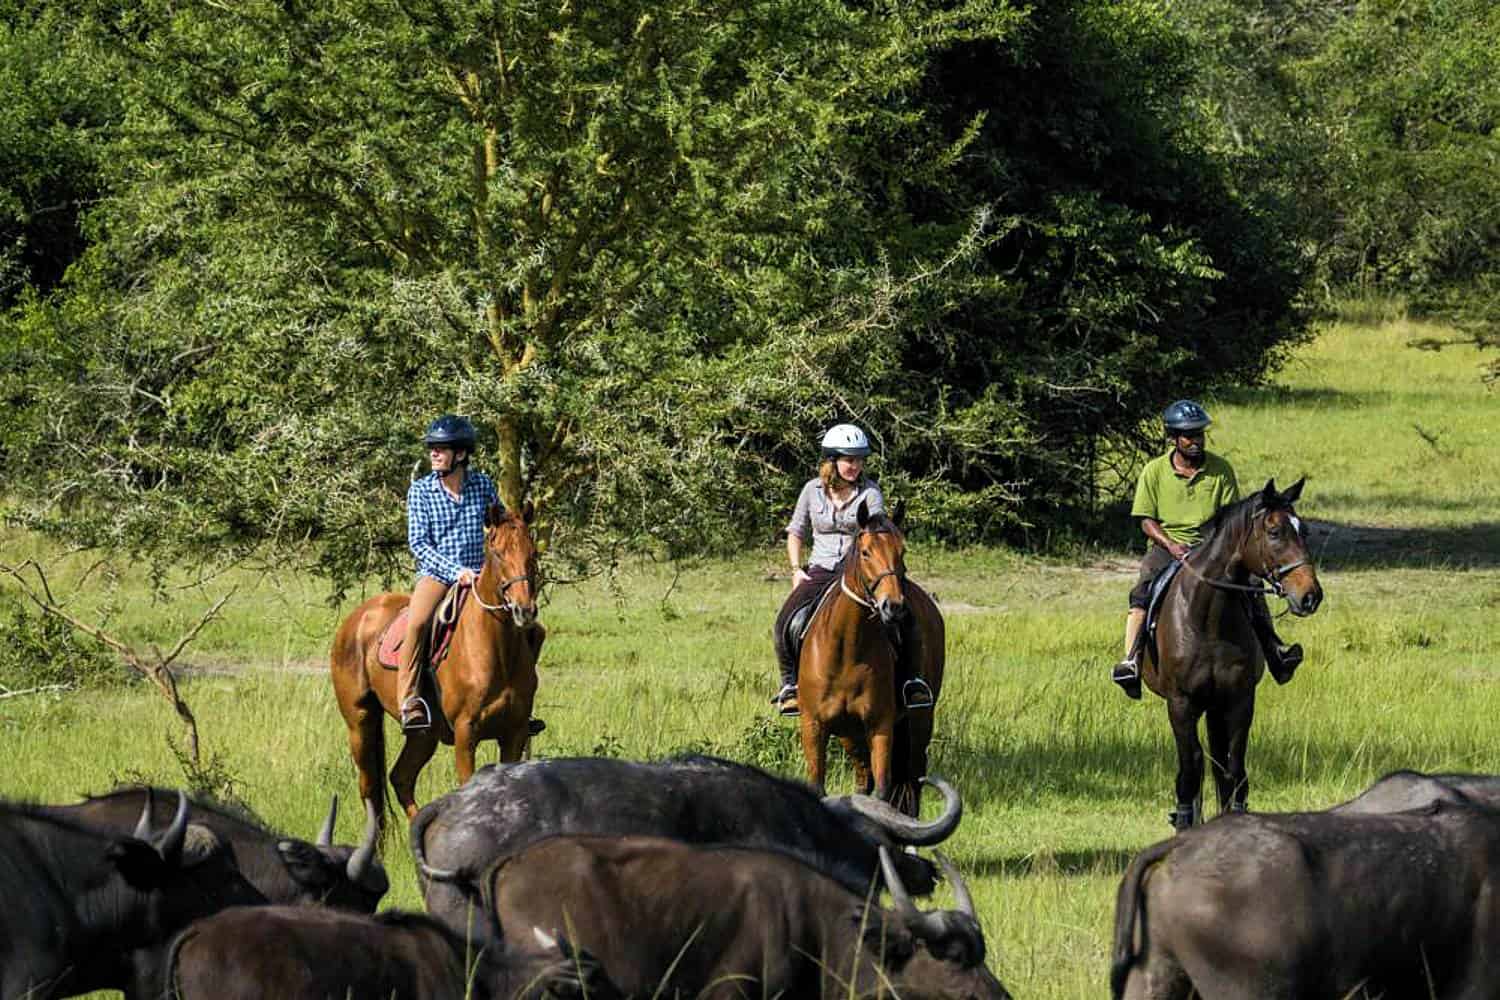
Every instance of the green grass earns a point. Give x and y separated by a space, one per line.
1063 778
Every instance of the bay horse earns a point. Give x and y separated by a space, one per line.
1206 660
487 680
846 673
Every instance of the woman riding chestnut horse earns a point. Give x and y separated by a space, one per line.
872 656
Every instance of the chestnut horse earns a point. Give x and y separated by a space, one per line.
846 674
487 679
1206 660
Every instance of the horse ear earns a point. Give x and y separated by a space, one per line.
1268 495
493 515
900 514
1293 492
528 511
862 515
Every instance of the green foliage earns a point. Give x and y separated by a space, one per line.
41 650
652 250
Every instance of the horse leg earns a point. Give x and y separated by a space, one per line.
815 749
1218 757
465 742
1184 720
415 754
880 740
367 746
1237 722
859 753
513 745
535 636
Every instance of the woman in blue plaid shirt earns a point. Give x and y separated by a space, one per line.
445 529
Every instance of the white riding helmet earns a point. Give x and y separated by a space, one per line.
845 439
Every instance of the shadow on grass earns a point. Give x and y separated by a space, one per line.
1125 774
1358 546
1101 861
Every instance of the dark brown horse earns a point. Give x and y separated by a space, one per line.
1207 661
487 680
846 674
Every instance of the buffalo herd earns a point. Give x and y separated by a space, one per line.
702 877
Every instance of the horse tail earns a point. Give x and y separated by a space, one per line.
1127 905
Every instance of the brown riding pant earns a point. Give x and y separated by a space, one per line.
425 598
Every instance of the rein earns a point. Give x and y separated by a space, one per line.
1275 575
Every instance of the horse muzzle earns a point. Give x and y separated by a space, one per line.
891 612
523 615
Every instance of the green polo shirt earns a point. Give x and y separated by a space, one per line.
1182 505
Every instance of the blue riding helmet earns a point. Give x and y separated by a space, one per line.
1185 416
450 431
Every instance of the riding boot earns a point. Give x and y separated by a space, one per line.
1281 660
916 695
785 700
1127 672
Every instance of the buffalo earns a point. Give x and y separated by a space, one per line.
672 919
702 800
283 869
313 953
83 903
1403 790
1284 906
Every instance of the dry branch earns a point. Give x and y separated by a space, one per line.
157 670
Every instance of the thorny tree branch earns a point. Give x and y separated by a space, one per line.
159 673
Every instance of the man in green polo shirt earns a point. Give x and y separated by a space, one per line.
1176 495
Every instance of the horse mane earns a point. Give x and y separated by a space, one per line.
1228 516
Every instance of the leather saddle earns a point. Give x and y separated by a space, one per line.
439 632
1159 587
796 625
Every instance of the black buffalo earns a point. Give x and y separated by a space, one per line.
1403 790
1303 905
313 953
704 800
672 919
82 904
284 869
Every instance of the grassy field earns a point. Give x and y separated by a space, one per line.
1063 778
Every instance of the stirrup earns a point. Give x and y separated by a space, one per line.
785 701
1127 674
916 694
415 715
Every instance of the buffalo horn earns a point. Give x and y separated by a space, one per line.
143 825
325 835
911 831
899 896
358 864
170 844
960 890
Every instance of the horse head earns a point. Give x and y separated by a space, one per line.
880 561
510 562
1277 551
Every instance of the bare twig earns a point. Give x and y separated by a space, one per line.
159 673
7 693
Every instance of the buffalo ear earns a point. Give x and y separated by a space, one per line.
862 515
309 867
900 514
1293 492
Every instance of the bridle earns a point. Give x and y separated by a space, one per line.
1273 576
868 586
506 605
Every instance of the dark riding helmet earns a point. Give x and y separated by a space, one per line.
1185 416
450 431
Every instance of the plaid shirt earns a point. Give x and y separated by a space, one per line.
445 534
